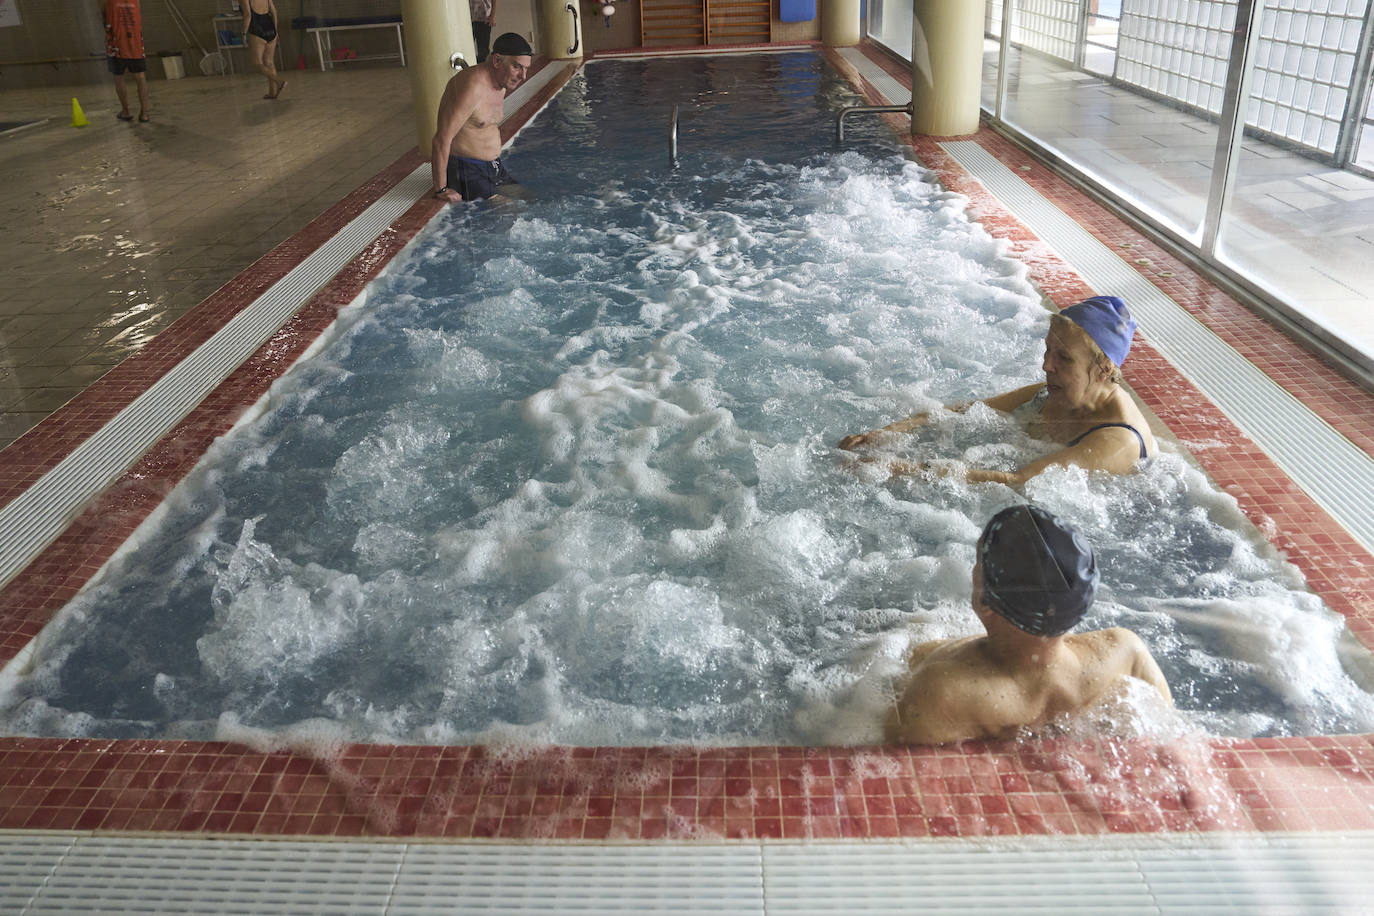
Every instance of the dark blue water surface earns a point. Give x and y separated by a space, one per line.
567 472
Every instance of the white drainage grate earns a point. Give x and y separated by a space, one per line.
1331 469
580 879
1246 873
1167 874
133 875
893 91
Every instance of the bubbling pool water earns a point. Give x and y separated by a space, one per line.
567 475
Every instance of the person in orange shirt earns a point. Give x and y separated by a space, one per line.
124 49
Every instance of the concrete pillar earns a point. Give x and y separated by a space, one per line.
946 67
559 29
434 29
840 23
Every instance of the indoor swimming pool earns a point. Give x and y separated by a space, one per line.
566 473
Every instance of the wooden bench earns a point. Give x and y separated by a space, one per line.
324 29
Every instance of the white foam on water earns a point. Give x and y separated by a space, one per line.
578 484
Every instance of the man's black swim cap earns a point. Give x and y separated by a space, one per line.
1038 573
512 44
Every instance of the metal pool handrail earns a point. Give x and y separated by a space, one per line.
844 112
577 30
672 139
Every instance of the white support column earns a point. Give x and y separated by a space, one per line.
560 29
946 67
434 30
840 26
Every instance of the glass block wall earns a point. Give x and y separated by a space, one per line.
1305 68
1047 26
1304 61
992 19
1177 49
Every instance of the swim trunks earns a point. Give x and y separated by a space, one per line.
262 25
476 178
121 65
1079 438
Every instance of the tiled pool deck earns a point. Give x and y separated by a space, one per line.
975 789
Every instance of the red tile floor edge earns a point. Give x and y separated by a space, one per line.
1046 787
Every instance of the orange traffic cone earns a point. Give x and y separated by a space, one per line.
300 62
78 116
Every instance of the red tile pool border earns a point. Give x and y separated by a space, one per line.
639 793
975 789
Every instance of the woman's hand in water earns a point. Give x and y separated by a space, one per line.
872 468
859 440
880 467
939 467
877 436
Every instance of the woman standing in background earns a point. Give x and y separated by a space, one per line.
260 34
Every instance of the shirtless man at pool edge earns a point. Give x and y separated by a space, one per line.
466 151
1033 580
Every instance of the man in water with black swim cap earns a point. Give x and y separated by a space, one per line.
465 154
1033 580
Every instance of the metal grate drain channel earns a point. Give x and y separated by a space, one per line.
895 92
44 873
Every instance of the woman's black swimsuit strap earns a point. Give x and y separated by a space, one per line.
1143 453
262 25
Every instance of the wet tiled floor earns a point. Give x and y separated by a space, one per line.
115 230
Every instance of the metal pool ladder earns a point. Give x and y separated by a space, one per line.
876 109
672 139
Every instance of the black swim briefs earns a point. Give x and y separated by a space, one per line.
476 178
121 65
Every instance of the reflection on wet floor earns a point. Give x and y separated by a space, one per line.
117 229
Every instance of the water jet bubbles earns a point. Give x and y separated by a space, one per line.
382 545
790 557
385 475
452 364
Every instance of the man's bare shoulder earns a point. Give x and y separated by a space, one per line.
1118 652
1108 641
941 653
929 709
462 82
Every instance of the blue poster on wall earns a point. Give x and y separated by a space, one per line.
796 10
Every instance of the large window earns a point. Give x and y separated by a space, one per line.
890 24
1243 129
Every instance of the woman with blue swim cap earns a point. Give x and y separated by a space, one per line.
1034 579
1081 404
